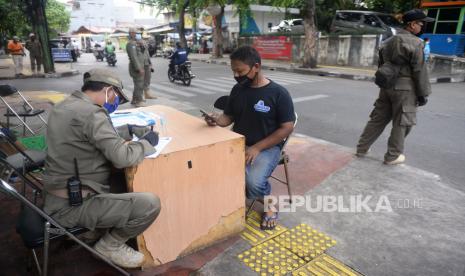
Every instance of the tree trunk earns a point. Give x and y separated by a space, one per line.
218 35
182 29
40 25
310 44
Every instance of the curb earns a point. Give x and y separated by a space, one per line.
321 73
314 72
49 75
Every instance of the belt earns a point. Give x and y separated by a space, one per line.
63 193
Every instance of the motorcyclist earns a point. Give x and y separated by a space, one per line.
178 57
109 48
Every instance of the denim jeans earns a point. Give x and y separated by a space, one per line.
257 174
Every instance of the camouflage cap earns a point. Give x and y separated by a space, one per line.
108 77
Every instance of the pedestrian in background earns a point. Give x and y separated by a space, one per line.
16 50
405 86
427 50
35 53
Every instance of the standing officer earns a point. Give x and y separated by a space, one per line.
140 67
80 133
16 50
410 89
35 52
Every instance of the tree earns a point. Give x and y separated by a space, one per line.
180 7
392 6
58 18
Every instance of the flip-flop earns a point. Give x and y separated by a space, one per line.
267 219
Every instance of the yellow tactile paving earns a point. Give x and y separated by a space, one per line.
254 235
305 242
325 265
269 258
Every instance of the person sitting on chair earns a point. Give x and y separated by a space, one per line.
80 134
263 112
178 57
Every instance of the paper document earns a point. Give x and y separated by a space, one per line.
162 143
140 118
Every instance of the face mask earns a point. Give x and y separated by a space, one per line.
110 107
138 36
244 80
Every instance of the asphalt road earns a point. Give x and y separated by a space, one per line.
331 109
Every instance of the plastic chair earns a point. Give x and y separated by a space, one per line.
37 229
26 110
220 103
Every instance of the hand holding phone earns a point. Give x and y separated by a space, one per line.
209 119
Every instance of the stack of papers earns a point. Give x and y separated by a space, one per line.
139 118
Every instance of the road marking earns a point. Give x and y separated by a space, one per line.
156 92
284 82
213 85
171 90
201 89
309 98
295 78
228 83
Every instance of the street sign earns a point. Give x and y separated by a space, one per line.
61 55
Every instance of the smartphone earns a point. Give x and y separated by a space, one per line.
205 114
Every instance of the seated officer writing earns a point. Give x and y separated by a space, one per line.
80 134
263 112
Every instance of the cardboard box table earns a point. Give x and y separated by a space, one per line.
200 179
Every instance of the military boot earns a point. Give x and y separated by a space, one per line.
148 94
119 252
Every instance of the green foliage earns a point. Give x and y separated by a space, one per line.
58 18
392 6
14 19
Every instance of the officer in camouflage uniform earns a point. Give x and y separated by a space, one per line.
79 127
35 52
140 67
411 89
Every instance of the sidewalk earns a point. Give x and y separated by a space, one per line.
344 72
421 233
7 69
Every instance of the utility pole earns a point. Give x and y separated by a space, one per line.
36 12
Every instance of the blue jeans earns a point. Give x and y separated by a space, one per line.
257 174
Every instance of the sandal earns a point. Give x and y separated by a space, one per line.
267 219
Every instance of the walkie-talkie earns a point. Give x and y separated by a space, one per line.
74 187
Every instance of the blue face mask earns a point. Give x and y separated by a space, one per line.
111 107
138 36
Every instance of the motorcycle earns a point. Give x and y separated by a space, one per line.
181 72
98 53
111 59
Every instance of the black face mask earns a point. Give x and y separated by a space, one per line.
244 80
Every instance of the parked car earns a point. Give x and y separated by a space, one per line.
291 25
364 22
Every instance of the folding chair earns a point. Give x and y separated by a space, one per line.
24 161
37 229
220 103
26 110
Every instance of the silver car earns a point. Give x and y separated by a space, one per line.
364 22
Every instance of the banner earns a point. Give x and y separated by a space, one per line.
273 47
61 54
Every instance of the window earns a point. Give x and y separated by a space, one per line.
446 20
349 16
389 20
371 20
297 22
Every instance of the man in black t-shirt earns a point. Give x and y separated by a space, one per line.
263 112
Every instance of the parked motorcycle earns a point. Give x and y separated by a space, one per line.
181 72
111 59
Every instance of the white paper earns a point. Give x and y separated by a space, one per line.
139 118
162 143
